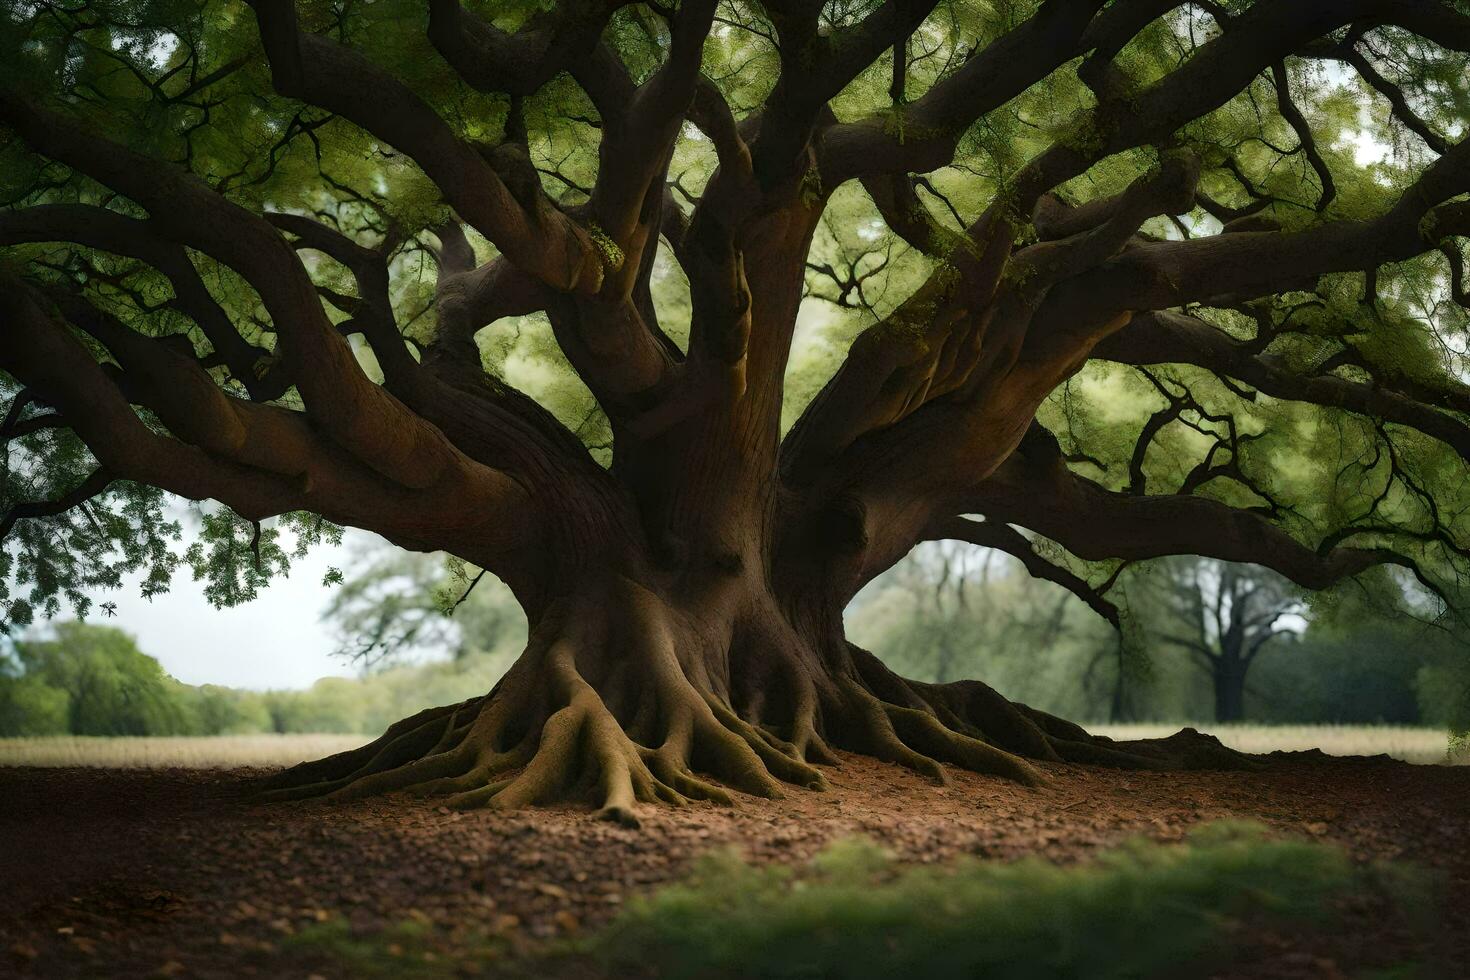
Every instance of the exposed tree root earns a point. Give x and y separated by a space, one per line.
547 734
647 726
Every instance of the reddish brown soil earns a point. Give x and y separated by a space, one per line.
169 873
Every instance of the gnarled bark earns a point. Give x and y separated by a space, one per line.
630 693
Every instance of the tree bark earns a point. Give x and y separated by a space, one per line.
640 685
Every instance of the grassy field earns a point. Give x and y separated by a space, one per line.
187 752
1419 745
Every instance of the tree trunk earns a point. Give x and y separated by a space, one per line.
638 688
1229 692
1118 706
686 617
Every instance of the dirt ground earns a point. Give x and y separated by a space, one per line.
113 873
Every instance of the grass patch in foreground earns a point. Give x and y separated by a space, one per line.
1142 910
407 951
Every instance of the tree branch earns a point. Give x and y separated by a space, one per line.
1035 490
922 136
262 462
98 481
369 268
109 231
358 414
990 534
1175 338
1303 129
521 221
815 67
491 60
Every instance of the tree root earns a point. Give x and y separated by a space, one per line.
972 725
470 753
647 733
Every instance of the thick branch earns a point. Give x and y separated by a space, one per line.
1258 38
1036 491
492 60
1245 265
921 136
109 231
815 68
358 414
374 312
908 217
258 459
521 221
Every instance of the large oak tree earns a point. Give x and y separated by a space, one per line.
1115 283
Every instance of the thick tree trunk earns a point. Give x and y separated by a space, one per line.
633 691
686 617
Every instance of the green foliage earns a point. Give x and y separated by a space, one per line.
1140 911
405 949
371 703
93 680
1374 673
1367 652
30 706
1444 699
54 562
106 684
215 710
236 558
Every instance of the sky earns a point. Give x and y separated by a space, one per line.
277 641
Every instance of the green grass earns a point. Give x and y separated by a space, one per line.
1143 910
1140 911
407 951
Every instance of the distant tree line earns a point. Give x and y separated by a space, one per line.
93 680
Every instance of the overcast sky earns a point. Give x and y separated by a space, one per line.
277 641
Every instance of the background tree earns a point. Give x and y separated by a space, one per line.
108 685
28 706
1223 616
1108 272
1372 652
397 604
950 611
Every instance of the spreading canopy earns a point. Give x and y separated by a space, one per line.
1135 278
